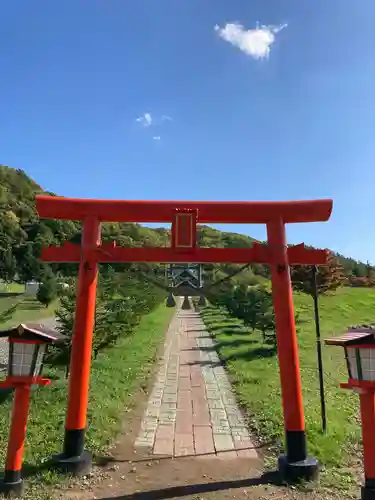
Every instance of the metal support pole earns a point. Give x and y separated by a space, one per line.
319 350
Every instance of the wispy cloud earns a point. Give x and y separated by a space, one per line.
146 119
254 42
153 123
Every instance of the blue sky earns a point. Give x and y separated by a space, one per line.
283 111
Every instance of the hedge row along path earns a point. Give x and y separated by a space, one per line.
192 409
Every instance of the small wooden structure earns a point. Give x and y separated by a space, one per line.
32 287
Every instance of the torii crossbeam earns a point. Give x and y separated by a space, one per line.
258 253
184 217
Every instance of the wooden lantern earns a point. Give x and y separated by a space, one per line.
359 350
359 347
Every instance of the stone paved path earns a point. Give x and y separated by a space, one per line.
192 409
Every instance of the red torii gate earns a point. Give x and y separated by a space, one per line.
184 216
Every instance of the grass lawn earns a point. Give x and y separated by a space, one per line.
254 371
116 375
29 309
11 288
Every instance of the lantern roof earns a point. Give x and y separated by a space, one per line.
355 335
34 331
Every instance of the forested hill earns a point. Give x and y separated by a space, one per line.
22 234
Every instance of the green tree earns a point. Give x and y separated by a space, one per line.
47 291
370 271
254 297
259 313
8 265
329 277
266 316
28 268
122 299
356 271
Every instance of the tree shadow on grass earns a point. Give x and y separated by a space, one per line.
29 306
250 355
10 294
200 488
31 470
235 343
227 330
215 327
223 344
236 331
213 319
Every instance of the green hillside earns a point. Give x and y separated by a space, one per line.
23 235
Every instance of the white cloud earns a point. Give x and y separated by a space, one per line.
254 42
146 119
156 137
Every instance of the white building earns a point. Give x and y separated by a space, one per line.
32 287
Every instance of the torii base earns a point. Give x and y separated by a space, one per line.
295 472
368 490
77 466
14 489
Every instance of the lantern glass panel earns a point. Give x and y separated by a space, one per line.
353 363
39 359
368 364
22 358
